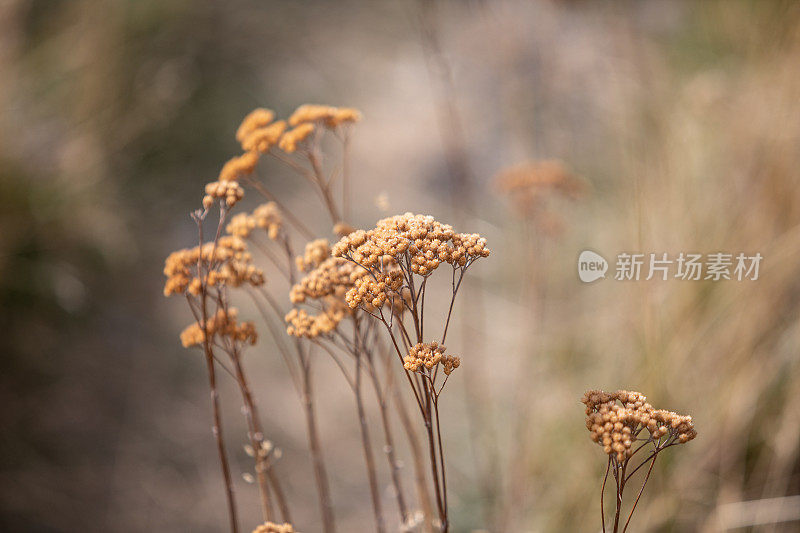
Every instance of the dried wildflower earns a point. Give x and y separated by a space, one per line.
241 225
230 191
225 263
262 139
257 118
416 241
343 228
528 186
239 166
293 137
328 115
270 527
428 355
374 291
302 324
332 277
266 216
343 115
315 253
617 421
222 325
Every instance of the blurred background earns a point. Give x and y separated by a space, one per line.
682 120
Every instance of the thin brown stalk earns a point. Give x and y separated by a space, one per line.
365 438
641 490
212 381
394 466
602 495
423 493
320 472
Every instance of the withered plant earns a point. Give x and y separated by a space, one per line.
627 427
333 297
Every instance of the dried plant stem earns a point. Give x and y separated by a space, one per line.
223 458
212 382
264 470
394 466
423 493
365 438
641 490
320 472
602 495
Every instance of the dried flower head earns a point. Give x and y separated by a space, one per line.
230 191
315 253
616 419
343 228
222 325
302 324
270 527
416 241
226 262
373 292
427 356
293 137
239 166
332 277
262 139
257 118
266 216
328 115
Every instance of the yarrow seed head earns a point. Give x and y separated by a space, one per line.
270 527
257 118
427 356
615 419
230 191
292 138
315 253
418 240
226 262
262 139
239 166
266 216
223 325
329 116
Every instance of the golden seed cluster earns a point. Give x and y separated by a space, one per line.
428 355
255 119
226 262
528 183
230 191
327 284
266 216
327 115
239 166
262 139
342 229
295 136
257 134
333 277
302 324
270 527
616 419
374 292
222 325
315 253
418 241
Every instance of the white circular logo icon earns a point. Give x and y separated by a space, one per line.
591 266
